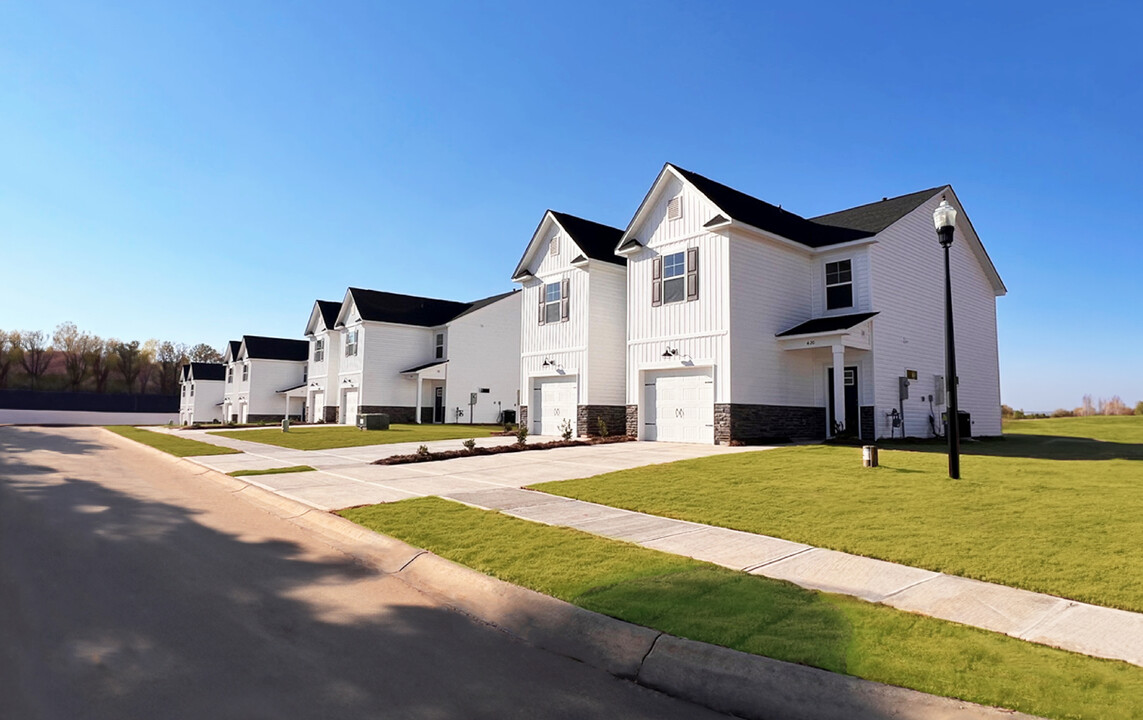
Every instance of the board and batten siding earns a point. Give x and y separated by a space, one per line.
698 329
606 374
907 281
483 350
565 342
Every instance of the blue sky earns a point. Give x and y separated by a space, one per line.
196 171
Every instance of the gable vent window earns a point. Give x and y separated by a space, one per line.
319 350
351 343
440 346
674 208
554 302
674 277
839 285
554 246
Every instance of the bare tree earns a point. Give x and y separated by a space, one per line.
127 356
6 356
76 347
171 357
204 353
101 360
35 354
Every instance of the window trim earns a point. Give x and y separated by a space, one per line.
675 262
245 372
351 341
839 283
319 350
230 374
439 346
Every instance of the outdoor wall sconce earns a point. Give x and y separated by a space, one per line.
670 352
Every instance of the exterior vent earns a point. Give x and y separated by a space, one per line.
554 246
674 208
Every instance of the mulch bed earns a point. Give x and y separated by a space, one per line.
497 449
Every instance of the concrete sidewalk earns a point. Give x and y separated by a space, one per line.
1079 627
494 481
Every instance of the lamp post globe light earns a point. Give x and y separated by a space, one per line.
944 218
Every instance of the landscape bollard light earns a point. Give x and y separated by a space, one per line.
869 456
944 218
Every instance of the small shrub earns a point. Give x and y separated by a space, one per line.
602 425
423 450
469 444
566 429
521 435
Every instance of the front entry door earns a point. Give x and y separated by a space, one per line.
438 405
852 411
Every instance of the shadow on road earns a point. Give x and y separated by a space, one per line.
116 606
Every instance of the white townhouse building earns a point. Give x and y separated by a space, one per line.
321 389
747 323
200 392
261 372
426 360
573 328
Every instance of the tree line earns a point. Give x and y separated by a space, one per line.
71 359
1114 406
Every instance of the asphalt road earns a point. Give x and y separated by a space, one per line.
129 588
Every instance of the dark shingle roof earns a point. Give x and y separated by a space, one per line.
268 348
418 368
208 371
234 346
379 306
827 324
764 216
875 217
329 310
597 241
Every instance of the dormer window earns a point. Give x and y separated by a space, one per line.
839 285
319 350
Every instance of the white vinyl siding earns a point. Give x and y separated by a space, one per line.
908 290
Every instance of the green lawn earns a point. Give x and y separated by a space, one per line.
177 446
324 437
272 471
763 616
1056 506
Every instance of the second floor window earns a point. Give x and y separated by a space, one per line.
192 391
674 271
230 375
351 343
245 372
440 346
554 305
839 285
319 350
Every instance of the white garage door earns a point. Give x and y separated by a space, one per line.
317 411
553 402
350 417
679 406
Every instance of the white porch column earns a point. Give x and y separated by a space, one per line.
839 386
418 410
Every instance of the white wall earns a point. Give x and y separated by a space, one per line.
699 329
76 417
483 350
267 377
204 407
908 290
387 349
606 374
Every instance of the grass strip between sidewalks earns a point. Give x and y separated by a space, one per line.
325 437
170 444
767 617
272 471
1055 507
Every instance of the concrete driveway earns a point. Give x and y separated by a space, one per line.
346 478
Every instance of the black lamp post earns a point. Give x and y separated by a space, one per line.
944 218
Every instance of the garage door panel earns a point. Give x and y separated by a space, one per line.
682 405
555 401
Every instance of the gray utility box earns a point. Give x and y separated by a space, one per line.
373 421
